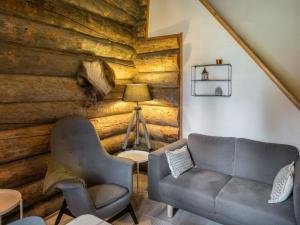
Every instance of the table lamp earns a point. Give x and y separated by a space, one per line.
137 93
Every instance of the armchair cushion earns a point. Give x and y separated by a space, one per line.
105 194
246 202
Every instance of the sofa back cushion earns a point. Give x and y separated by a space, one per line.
212 153
261 161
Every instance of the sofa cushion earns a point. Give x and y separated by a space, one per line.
261 161
212 153
105 194
246 201
194 189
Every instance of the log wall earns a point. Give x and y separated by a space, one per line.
42 44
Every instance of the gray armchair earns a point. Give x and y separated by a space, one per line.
75 144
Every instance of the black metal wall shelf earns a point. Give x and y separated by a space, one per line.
211 80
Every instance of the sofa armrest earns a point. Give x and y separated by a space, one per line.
158 168
296 192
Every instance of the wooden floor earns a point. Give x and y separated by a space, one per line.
148 212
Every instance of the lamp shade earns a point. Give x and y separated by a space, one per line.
136 93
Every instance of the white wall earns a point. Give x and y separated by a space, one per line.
257 109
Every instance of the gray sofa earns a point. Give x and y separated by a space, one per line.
231 183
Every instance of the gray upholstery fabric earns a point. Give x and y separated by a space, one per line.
261 161
105 194
75 143
158 168
212 153
246 202
240 200
296 191
32 220
196 188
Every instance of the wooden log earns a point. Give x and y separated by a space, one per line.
16 59
39 112
141 29
114 144
158 61
162 133
123 72
104 9
13 126
35 34
111 125
164 97
159 115
155 144
131 7
123 82
32 192
25 88
67 16
158 79
15 149
143 2
116 93
143 12
30 141
23 171
108 108
42 209
157 44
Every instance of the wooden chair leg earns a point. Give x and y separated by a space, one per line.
61 212
132 214
122 213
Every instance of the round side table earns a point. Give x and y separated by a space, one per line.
10 199
138 157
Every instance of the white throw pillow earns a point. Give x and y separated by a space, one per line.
179 161
283 184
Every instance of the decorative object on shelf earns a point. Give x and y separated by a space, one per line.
218 91
219 61
215 80
205 74
137 93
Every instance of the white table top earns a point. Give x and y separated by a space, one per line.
87 220
135 155
9 199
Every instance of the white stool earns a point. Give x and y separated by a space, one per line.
9 199
87 220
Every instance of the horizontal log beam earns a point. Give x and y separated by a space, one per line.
39 112
67 16
114 144
41 209
16 59
25 88
157 44
158 79
32 192
164 97
123 72
155 144
108 108
131 7
23 171
158 61
30 141
162 133
14 149
104 9
159 115
35 34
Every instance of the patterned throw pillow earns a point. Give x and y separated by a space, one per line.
283 184
179 161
